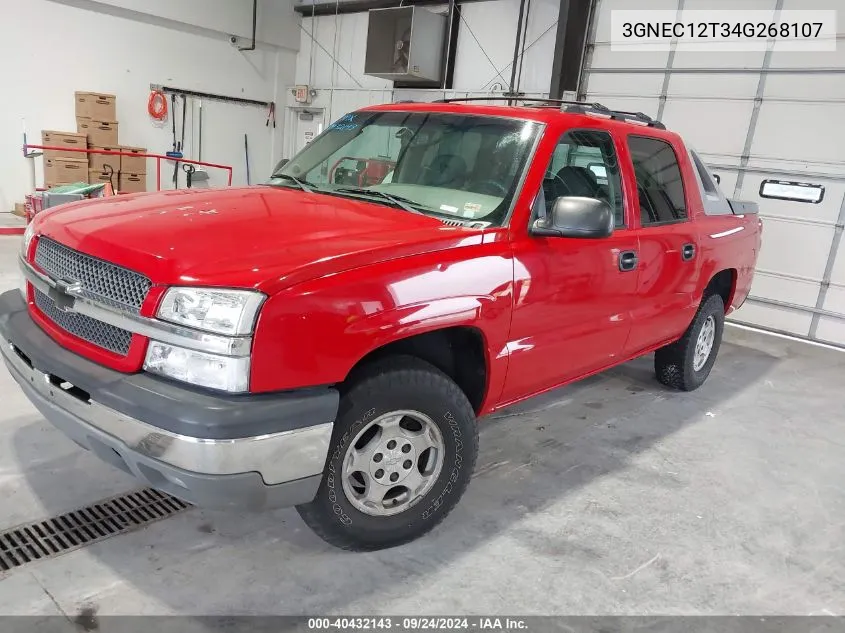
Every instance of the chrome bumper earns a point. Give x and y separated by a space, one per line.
277 457
264 471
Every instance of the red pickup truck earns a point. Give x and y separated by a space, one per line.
319 343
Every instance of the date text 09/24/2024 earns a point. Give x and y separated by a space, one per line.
417 623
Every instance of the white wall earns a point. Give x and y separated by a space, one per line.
494 25
121 47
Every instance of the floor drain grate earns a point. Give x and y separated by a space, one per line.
116 515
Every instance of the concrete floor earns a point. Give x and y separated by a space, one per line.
612 496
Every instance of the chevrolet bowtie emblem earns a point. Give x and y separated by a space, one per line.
63 293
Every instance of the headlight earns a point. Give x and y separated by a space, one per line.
221 311
227 373
28 234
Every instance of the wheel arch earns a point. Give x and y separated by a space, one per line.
722 283
458 351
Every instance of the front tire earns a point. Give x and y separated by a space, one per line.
402 453
686 363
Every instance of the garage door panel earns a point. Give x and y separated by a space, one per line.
713 126
825 211
718 59
798 135
809 132
771 286
817 5
831 330
612 84
730 86
603 57
812 59
794 248
809 86
835 300
784 319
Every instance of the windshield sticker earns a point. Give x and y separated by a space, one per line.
472 207
448 209
346 122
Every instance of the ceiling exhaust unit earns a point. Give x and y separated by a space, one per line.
405 44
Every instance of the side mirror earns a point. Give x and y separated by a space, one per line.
576 217
717 178
281 164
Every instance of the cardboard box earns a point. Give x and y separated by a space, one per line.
19 210
95 177
71 140
99 133
66 169
98 162
132 183
133 164
96 105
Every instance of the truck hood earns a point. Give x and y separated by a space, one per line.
266 238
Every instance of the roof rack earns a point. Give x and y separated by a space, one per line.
573 107
506 97
616 115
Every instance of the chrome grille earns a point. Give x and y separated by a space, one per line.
100 280
101 334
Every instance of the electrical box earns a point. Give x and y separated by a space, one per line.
405 44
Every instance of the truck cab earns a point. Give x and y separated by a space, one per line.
331 339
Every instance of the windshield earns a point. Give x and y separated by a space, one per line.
452 166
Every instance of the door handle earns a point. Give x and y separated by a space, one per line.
687 252
627 261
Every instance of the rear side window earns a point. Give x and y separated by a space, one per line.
660 187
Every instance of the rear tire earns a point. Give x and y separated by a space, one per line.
397 411
686 363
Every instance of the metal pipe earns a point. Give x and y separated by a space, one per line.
451 19
828 269
772 330
772 170
211 95
254 23
516 48
524 39
796 307
361 6
158 157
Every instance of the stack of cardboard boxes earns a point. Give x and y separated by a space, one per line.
96 128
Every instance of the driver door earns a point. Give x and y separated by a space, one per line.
572 296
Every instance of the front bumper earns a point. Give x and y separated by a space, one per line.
252 451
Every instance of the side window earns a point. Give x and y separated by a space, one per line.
660 187
584 164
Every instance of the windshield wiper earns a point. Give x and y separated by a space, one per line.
398 201
303 184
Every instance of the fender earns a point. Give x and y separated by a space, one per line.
314 333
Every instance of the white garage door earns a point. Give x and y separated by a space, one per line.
754 117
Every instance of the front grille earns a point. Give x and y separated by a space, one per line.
101 334
100 280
